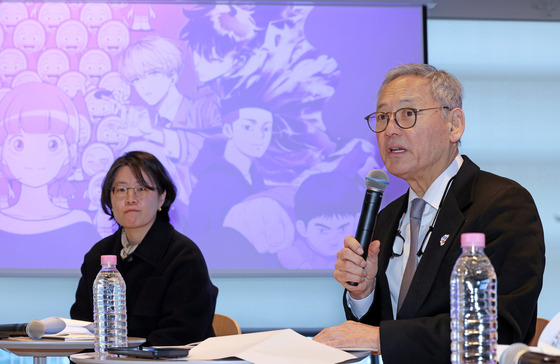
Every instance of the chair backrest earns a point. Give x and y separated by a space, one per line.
224 325
541 323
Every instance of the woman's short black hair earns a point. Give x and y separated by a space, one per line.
140 162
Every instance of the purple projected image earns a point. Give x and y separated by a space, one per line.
256 111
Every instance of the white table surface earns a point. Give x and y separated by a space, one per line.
40 349
91 358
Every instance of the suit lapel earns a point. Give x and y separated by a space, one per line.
385 231
449 222
388 230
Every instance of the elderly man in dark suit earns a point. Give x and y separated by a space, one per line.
419 123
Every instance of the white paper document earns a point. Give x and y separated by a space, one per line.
67 329
550 337
269 347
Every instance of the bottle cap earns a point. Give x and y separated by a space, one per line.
477 240
108 259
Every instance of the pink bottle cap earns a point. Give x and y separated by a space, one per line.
108 259
477 240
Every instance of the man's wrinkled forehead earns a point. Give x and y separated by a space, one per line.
408 90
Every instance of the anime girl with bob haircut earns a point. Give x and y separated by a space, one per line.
39 128
38 109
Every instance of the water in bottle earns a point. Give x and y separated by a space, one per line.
109 306
474 310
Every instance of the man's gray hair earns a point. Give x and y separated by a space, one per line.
446 88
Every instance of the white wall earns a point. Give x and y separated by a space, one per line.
297 302
511 73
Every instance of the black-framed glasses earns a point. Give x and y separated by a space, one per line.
405 118
121 191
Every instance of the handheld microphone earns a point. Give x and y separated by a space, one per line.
34 329
520 354
376 183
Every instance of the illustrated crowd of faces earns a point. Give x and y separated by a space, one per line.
229 98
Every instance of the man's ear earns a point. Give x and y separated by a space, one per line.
456 124
301 228
174 78
227 130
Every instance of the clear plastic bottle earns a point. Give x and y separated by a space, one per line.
109 306
474 307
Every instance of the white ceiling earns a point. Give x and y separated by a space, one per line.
540 10
537 10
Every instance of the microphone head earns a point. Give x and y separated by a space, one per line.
377 180
35 329
512 354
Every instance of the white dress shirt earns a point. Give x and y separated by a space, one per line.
401 246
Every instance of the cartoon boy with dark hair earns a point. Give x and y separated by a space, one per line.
227 169
223 40
326 208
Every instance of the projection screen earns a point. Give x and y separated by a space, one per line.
256 110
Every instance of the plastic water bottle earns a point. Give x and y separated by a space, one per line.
474 308
109 306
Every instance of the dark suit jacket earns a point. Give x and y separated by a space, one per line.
170 299
477 201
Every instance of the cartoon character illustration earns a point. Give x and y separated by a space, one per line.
264 222
105 226
119 89
95 63
95 14
51 64
99 106
52 14
29 36
38 133
141 15
249 52
144 82
227 172
152 66
12 61
113 37
25 77
72 37
326 210
85 132
224 45
72 82
4 91
97 158
11 13
108 133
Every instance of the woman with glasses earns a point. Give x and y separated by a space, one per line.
170 298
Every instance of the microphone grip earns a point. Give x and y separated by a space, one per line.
13 329
366 224
370 208
34 329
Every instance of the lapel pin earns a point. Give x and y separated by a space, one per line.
443 240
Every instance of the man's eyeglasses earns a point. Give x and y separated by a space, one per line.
405 118
120 191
